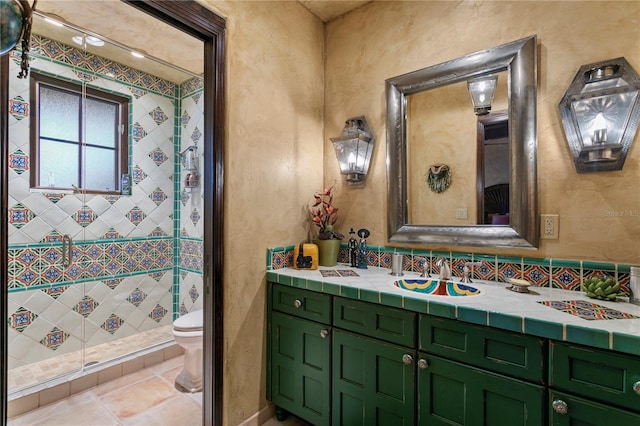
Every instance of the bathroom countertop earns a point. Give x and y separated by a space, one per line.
616 325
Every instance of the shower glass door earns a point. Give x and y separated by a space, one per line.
98 268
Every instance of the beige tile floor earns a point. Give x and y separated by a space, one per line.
146 397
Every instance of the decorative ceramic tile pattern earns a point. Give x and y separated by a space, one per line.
158 156
158 196
137 132
86 306
158 115
136 216
158 313
184 197
196 135
191 254
18 108
195 216
19 215
185 118
587 310
21 319
137 174
19 161
54 339
85 216
112 324
136 297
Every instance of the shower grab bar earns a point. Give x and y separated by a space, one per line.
67 243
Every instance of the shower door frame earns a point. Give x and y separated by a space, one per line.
202 23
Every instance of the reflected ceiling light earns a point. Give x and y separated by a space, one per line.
137 54
93 41
353 150
481 90
600 113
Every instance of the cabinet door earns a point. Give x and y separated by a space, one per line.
450 393
568 410
301 368
373 382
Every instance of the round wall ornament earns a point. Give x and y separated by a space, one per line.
439 177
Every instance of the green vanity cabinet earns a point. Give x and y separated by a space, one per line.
451 393
504 352
592 386
299 352
373 382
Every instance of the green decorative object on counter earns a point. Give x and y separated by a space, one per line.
327 252
603 288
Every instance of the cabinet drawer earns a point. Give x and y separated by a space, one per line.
505 352
596 374
584 412
381 322
302 303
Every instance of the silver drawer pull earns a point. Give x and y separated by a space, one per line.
423 364
407 359
559 406
636 387
324 333
297 303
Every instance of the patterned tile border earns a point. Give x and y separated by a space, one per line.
557 273
40 264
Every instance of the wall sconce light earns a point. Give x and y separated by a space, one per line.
353 150
482 90
600 113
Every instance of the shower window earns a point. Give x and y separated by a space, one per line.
79 136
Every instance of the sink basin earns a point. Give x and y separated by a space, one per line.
437 287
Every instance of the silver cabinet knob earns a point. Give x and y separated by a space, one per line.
324 333
636 387
423 364
407 359
297 303
559 406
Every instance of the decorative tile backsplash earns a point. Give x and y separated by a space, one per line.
558 273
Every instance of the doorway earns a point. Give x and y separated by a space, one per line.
203 24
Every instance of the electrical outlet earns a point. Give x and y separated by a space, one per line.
549 226
461 213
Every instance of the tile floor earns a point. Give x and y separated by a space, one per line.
146 397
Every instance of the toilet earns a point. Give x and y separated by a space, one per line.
187 331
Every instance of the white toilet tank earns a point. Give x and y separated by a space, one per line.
189 322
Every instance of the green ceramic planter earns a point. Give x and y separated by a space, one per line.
327 252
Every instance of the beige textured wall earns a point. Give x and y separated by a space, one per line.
386 39
273 165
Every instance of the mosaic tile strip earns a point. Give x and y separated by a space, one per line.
567 274
338 273
94 66
29 266
191 252
587 310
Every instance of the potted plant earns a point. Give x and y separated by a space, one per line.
324 215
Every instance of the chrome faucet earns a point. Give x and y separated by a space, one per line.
422 263
445 271
466 278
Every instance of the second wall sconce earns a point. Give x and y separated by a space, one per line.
353 150
600 114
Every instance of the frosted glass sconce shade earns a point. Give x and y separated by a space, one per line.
353 150
482 90
600 114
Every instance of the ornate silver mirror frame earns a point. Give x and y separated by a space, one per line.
519 59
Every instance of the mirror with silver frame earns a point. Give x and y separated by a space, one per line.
517 61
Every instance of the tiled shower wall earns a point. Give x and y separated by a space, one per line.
542 272
127 273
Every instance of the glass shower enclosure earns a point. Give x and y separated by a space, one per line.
105 225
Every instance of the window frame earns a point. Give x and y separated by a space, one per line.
121 163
